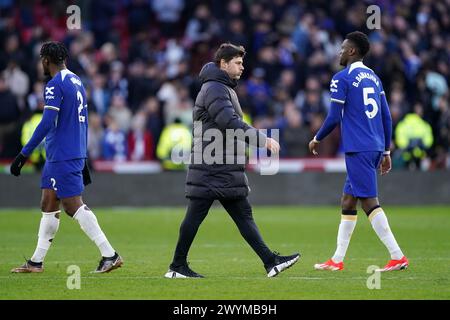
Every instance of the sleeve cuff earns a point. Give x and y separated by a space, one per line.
51 108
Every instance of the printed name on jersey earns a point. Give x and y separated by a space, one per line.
75 81
364 75
333 85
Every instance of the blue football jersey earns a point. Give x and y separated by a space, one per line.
67 139
359 89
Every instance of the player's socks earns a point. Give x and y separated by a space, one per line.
346 227
381 226
47 230
89 224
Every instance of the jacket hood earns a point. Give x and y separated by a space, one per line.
211 72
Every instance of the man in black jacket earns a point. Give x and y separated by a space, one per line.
220 176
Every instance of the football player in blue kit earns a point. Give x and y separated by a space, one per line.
358 103
64 126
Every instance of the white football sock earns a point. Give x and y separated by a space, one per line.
381 226
89 224
346 227
47 230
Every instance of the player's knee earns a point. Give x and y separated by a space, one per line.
348 203
369 204
69 209
48 205
71 205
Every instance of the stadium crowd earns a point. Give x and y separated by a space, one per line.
139 60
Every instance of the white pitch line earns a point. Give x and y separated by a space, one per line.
216 279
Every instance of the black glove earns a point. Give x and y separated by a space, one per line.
17 164
86 174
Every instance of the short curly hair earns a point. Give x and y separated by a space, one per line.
360 40
55 51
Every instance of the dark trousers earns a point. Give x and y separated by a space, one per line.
241 213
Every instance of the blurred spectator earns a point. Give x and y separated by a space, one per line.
18 82
174 146
288 82
9 116
117 83
201 27
438 86
100 96
107 55
140 141
143 82
310 100
259 91
103 11
168 15
139 15
173 56
119 112
414 137
181 108
35 99
235 32
155 122
114 144
11 51
294 135
398 104
95 136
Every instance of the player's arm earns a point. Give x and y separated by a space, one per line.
221 110
386 164
53 99
331 121
338 93
387 122
43 128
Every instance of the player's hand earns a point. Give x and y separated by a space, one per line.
272 145
386 165
312 146
17 164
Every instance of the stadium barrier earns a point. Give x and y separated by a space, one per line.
167 189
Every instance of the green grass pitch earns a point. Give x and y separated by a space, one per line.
146 238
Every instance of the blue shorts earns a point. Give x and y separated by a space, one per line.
361 181
65 177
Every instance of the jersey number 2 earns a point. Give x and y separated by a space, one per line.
80 107
370 101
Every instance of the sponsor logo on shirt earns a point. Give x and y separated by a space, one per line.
333 86
49 93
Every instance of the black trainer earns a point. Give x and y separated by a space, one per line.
109 264
280 263
181 271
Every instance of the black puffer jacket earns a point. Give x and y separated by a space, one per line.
217 109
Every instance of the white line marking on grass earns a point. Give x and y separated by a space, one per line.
262 278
